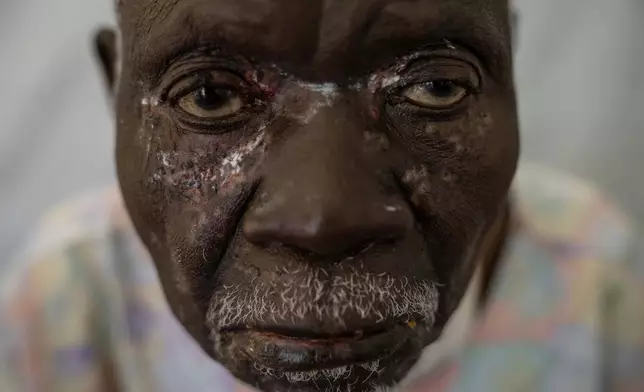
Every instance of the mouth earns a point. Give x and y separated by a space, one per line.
286 350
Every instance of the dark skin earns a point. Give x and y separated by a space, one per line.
316 181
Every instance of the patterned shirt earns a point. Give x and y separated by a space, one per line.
84 310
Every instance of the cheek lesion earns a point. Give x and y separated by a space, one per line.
376 141
444 172
456 137
418 183
202 166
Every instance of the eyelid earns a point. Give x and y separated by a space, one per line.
185 86
446 69
195 57
446 51
210 77
202 61
455 65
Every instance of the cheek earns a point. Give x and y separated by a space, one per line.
459 170
187 179
456 177
197 185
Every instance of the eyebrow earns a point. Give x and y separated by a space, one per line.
460 23
158 39
181 29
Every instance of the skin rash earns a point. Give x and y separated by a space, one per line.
314 180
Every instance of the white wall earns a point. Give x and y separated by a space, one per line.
581 100
580 74
55 137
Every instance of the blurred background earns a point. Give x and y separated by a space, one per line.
581 101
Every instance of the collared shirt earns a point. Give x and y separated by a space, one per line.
84 310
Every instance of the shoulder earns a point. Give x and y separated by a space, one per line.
83 307
566 290
91 215
79 293
585 243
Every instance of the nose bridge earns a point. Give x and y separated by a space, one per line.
325 160
320 192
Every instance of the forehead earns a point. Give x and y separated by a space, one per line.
338 36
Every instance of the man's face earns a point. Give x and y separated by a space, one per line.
314 178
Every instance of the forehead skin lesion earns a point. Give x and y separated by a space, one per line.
320 40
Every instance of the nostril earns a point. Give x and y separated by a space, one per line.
329 224
285 230
260 231
314 234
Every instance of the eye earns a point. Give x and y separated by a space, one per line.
209 101
436 94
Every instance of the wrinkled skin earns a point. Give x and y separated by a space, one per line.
314 179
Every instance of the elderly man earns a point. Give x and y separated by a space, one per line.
318 184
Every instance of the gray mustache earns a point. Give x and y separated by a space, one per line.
311 292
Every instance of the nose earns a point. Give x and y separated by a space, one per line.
323 194
323 224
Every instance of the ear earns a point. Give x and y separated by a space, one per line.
514 26
105 46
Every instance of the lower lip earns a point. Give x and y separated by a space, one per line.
287 354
